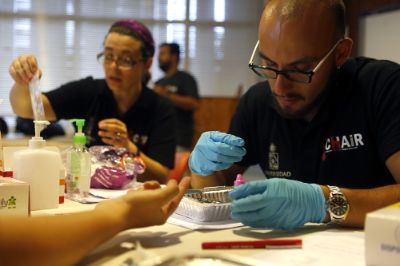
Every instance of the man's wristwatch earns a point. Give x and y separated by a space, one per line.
337 205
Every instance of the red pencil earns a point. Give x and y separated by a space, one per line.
268 243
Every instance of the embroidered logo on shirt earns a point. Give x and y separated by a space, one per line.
273 163
139 139
273 157
344 143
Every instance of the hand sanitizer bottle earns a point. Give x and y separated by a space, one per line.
78 166
40 168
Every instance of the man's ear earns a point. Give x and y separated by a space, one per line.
343 51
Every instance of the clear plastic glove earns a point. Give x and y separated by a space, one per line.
215 151
278 203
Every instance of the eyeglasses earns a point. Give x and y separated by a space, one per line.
124 62
293 75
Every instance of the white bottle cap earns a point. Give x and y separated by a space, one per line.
37 141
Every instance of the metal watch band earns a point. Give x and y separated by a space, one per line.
334 194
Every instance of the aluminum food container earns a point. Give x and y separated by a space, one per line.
219 194
203 212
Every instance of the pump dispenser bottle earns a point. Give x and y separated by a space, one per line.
40 168
78 166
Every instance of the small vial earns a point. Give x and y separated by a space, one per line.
239 180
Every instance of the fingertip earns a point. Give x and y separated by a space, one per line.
185 180
172 186
238 141
151 185
172 182
233 194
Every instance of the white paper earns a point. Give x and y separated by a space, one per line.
331 247
188 223
97 195
107 193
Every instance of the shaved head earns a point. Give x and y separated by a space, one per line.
294 9
296 35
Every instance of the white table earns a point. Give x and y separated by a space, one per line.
321 245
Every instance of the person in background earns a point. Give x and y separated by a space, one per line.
66 239
120 110
180 87
324 129
3 126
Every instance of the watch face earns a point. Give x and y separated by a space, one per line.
338 206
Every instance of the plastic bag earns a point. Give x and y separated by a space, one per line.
114 168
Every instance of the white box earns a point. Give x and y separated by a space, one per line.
14 197
382 236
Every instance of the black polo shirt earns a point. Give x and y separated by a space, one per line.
150 121
184 84
346 144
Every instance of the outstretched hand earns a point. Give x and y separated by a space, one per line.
150 206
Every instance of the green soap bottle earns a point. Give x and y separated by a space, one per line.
78 166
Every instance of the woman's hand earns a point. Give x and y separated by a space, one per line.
150 206
23 68
114 132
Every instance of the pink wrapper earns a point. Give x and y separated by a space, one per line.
114 168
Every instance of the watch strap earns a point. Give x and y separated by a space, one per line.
334 194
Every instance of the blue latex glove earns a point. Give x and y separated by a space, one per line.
278 203
215 151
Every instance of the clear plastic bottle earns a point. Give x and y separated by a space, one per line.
78 166
41 169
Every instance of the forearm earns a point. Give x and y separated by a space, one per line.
20 101
216 179
154 170
55 240
362 201
220 178
184 102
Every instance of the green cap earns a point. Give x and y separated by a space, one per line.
79 137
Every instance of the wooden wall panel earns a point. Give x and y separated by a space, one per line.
215 113
358 8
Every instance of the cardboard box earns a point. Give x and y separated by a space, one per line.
382 236
14 197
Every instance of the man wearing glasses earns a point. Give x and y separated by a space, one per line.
324 129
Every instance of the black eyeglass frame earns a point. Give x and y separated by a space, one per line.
101 59
307 74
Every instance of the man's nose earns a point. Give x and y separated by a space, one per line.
282 84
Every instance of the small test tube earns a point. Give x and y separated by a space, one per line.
239 180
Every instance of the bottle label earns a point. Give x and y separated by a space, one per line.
78 174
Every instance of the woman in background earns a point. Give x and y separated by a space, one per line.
120 110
